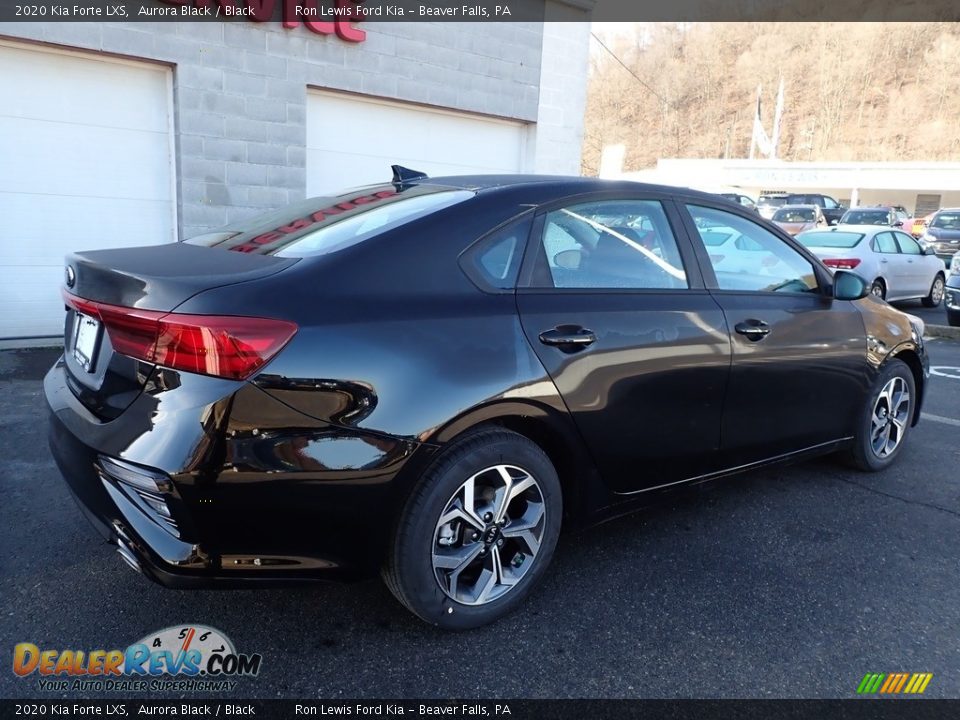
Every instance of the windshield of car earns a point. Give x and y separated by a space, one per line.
771 200
830 239
946 221
866 217
325 225
795 215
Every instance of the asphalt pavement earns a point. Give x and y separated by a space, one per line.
791 581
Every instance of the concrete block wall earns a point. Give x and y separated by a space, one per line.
240 93
558 135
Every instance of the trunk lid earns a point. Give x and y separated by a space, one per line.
154 278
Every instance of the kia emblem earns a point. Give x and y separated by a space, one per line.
71 276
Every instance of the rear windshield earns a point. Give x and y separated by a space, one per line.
830 239
325 225
866 217
947 221
795 215
715 237
772 201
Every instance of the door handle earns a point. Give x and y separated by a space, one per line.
884 260
568 337
753 330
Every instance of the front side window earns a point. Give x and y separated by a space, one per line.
757 260
829 203
610 244
908 246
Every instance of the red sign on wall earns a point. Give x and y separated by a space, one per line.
341 14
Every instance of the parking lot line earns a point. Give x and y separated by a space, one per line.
940 419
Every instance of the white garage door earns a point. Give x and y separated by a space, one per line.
353 140
85 163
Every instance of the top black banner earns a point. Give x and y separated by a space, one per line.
350 11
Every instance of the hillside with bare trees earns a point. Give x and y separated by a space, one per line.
853 91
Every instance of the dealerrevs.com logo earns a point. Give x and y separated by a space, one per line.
178 658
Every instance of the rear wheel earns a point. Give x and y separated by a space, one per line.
936 293
478 531
885 420
879 288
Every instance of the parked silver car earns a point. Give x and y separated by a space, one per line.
889 259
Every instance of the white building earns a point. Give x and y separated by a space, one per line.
919 187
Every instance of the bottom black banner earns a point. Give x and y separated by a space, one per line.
915 709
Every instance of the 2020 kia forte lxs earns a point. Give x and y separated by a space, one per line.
427 378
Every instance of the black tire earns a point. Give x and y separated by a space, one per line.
934 297
861 453
879 288
409 570
953 318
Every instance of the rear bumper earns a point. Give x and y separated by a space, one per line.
242 511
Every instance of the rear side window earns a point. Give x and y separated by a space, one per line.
609 244
326 225
494 261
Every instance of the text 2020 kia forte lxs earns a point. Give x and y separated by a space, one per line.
428 377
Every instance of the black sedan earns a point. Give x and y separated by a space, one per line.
429 377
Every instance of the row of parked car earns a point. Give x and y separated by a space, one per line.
900 257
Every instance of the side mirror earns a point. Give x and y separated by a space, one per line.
568 259
834 221
898 223
849 286
929 250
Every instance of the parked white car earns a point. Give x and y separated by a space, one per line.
731 251
890 260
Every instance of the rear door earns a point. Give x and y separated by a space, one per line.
799 357
612 302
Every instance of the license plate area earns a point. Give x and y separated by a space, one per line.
86 341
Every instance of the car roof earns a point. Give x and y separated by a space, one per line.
852 227
798 207
563 184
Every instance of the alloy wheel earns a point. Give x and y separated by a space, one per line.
877 290
891 414
936 292
488 535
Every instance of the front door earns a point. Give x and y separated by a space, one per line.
616 310
796 380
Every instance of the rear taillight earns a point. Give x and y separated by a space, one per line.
220 345
842 263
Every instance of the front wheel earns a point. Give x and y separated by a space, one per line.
953 318
885 420
478 531
935 297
